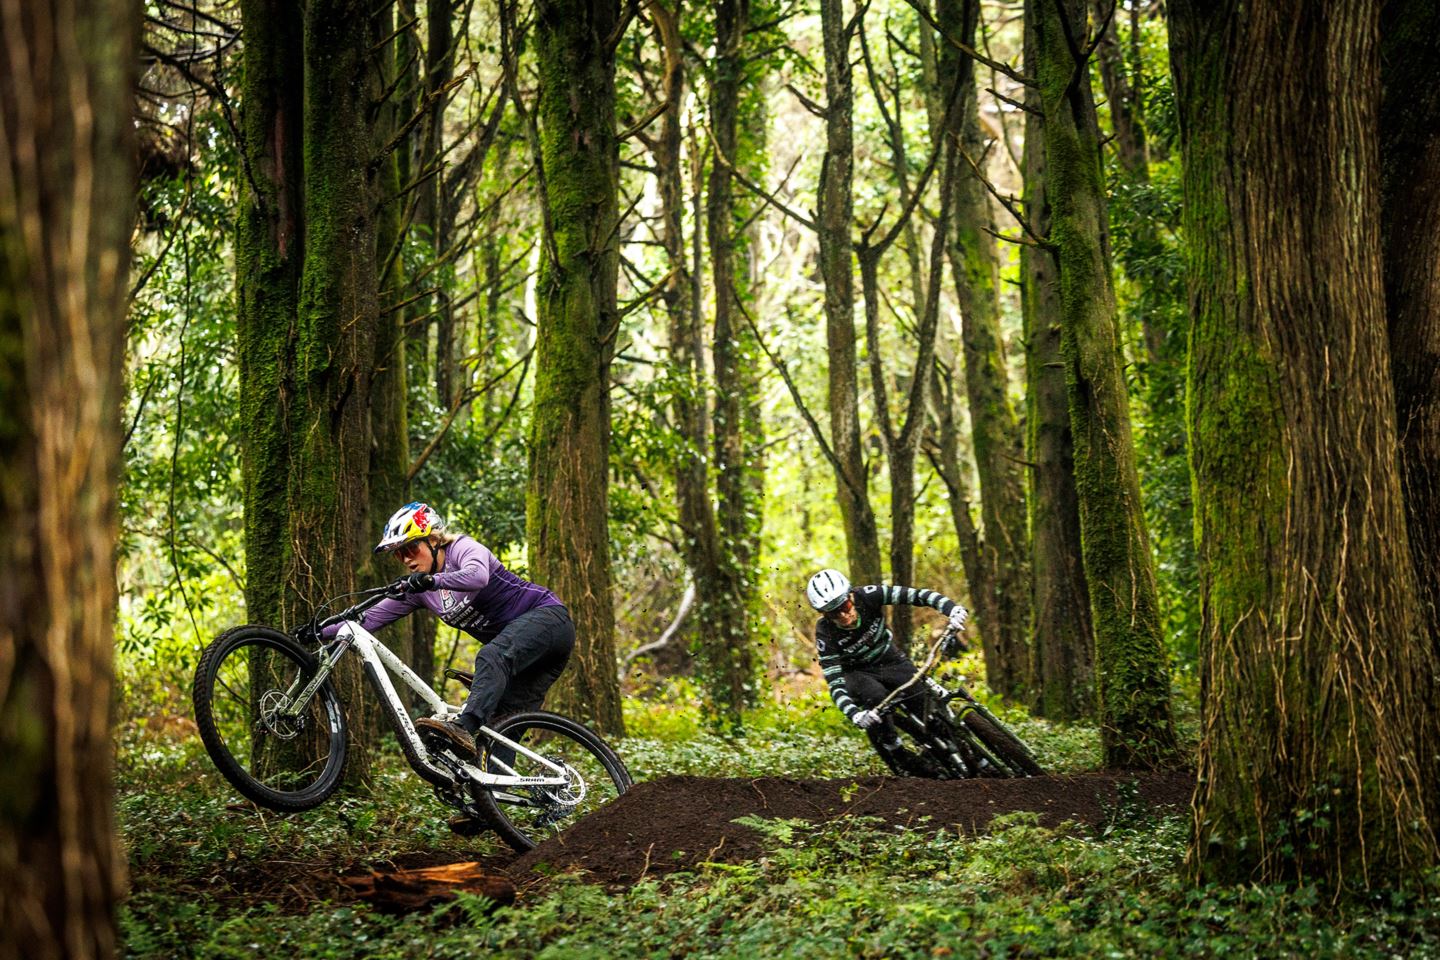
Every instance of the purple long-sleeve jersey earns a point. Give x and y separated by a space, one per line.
473 591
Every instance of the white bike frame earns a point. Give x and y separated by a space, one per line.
383 662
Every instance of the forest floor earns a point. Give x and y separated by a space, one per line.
782 843
681 823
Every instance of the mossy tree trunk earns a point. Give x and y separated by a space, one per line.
995 432
66 212
1410 225
1062 643
837 254
737 125
337 320
1320 744
269 251
568 500
1132 676
389 485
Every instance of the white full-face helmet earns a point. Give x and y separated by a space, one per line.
827 590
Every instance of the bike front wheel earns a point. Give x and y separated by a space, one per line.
1003 745
525 816
279 758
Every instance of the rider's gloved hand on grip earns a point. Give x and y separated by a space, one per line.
953 646
865 719
418 582
958 617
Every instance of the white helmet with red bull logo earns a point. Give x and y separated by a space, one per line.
414 521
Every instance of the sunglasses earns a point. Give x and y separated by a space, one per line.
839 611
407 550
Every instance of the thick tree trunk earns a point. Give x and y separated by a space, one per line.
996 434
338 316
1062 643
1410 225
1320 740
837 250
269 251
65 217
568 502
1132 677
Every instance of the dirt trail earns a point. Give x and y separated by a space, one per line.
675 823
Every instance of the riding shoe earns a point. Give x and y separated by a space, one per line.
448 735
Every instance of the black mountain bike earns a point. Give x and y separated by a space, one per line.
272 721
952 735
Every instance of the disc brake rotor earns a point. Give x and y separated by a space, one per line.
279 724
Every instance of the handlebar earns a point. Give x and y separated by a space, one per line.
930 661
393 590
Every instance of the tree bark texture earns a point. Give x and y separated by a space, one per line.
721 643
996 435
1062 642
1319 749
567 502
338 315
736 122
1132 676
269 253
1410 225
837 254
66 211
389 451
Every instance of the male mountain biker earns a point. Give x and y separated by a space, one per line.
525 632
858 656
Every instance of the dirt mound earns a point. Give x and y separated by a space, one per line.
675 823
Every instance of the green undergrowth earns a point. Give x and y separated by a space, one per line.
848 888
214 878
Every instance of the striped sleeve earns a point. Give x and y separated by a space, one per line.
918 598
835 676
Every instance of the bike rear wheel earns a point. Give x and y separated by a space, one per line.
285 763
527 816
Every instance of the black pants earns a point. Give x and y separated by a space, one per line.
513 671
870 684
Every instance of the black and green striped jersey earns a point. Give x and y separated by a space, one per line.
869 640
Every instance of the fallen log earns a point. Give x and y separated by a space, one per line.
405 891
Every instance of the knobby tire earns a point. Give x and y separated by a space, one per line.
227 693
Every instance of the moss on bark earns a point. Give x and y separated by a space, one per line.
1320 747
1132 677
567 501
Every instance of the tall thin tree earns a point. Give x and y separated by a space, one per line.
995 431
1062 642
1132 676
834 220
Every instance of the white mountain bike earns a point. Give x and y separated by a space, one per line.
273 723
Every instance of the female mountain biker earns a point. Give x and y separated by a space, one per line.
858 656
525 632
